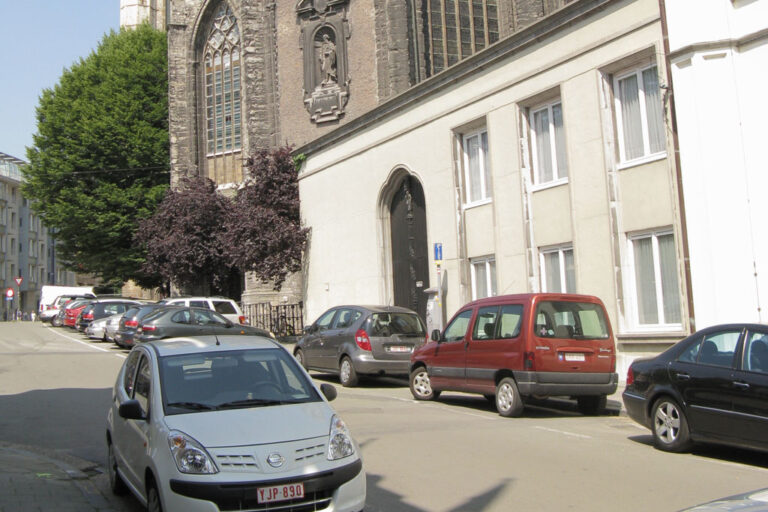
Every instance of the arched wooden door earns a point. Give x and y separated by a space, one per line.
410 257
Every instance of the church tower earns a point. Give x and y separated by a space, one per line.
135 12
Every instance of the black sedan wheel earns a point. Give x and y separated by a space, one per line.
670 427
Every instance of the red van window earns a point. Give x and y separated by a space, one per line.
457 329
570 320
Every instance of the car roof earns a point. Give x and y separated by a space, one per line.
210 343
377 309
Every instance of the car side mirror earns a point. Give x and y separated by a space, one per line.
329 391
131 410
436 335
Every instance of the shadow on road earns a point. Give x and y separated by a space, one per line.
67 421
387 501
713 451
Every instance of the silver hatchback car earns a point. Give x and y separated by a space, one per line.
216 423
361 340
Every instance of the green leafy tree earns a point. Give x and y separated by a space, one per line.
100 158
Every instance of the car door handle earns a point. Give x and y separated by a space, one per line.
741 385
683 376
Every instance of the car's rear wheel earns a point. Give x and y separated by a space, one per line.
347 374
509 403
56 322
421 389
669 426
592 405
299 355
116 483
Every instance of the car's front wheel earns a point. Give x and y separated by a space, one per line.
509 403
347 373
299 355
153 497
116 483
421 389
670 426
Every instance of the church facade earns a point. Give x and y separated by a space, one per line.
249 74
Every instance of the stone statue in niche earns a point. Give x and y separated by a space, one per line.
324 35
328 61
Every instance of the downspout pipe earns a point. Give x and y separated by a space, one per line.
678 169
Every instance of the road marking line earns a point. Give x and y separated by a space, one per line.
86 344
565 433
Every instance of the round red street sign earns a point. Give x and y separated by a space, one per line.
9 293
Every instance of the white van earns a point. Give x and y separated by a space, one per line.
48 294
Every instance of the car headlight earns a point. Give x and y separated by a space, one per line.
340 444
189 455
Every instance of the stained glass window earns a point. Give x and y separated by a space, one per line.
222 84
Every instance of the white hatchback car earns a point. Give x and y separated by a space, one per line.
229 423
228 308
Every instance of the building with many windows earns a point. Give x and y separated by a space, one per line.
543 163
27 247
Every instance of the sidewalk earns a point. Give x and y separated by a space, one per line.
32 481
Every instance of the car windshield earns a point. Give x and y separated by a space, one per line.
403 324
231 380
570 320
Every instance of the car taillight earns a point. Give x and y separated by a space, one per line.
529 362
362 340
630 376
146 328
131 323
242 320
88 316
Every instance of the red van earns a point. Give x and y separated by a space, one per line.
517 346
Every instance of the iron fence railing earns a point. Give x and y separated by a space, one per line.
281 319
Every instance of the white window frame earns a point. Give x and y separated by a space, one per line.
483 165
647 155
560 251
631 279
490 272
559 169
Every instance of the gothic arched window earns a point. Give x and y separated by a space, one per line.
223 113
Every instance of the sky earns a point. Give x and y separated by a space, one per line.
38 40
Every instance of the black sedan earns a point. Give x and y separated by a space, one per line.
710 387
187 321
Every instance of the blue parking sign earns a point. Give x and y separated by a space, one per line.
438 251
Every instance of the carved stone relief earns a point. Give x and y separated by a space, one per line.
324 35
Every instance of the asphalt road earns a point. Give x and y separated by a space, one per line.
453 455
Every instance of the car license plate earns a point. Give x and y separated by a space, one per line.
280 493
399 349
574 356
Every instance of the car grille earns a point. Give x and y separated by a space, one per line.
237 462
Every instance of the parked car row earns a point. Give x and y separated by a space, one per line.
709 387
127 321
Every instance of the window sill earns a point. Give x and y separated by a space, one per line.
641 161
550 184
672 335
482 202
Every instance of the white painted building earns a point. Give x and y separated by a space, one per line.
719 65
545 163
